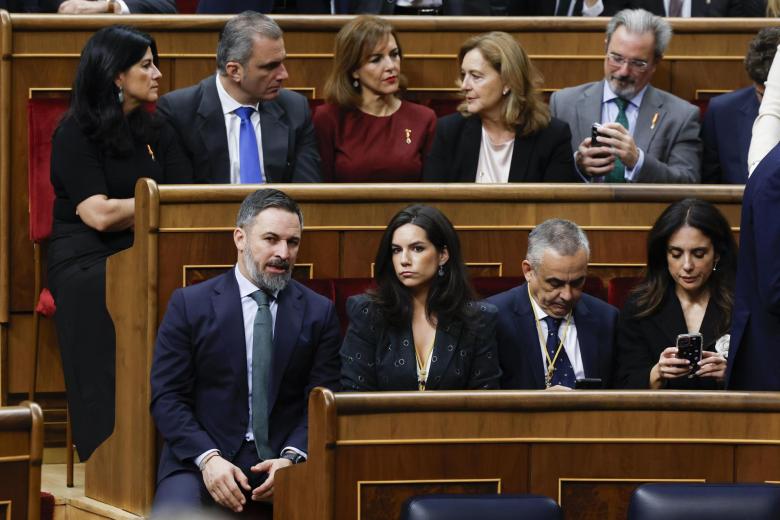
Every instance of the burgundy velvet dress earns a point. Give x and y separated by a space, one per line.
358 147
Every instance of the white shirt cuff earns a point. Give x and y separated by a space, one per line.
126 10
202 456
296 450
633 172
594 10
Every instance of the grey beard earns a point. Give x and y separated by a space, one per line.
626 93
270 282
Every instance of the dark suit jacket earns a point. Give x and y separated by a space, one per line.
545 156
754 352
377 357
726 133
640 342
262 6
135 6
289 144
547 8
199 370
451 7
519 352
699 8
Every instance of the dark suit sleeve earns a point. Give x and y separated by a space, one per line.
324 372
560 167
710 168
485 371
358 351
634 358
173 385
151 6
307 157
767 239
438 163
176 166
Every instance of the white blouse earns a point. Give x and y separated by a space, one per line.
494 160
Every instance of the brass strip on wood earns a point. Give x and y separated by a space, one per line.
14 458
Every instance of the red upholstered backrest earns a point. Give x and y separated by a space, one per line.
186 6
323 286
444 106
619 289
43 115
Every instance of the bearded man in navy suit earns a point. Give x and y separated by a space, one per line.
235 359
549 333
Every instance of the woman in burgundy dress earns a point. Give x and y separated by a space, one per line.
366 132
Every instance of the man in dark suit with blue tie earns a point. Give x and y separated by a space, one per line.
242 112
268 6
234 361
549 333
728 122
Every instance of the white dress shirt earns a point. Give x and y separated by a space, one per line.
494 160
766 128
233 127
594 10
686 8
571 345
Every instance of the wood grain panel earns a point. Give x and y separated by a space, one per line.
757 464
19 358
423 469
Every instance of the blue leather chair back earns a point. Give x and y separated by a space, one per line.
705 502
481 507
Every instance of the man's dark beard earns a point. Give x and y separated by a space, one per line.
267 281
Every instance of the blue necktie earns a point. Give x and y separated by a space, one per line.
262 357
564 372
247 148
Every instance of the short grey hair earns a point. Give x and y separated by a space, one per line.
639 21
562 236
264 199
238 35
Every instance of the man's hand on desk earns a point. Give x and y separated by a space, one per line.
222 480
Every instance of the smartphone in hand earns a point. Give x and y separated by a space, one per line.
689 346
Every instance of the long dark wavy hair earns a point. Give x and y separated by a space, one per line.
706 218
94 102
449 295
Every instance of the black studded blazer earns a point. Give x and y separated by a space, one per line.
375 356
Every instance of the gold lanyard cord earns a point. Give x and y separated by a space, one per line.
543 342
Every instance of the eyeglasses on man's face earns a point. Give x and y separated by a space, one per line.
618 61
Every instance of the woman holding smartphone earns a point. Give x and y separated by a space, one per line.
688 288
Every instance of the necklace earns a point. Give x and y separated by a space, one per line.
548 373
422 369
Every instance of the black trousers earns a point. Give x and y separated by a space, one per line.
87 344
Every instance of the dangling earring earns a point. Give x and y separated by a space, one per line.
356 83
120 96
715 267
441 270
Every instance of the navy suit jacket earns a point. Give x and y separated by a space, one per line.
754 349
290 151
383 358
450 7
135 6
699 8
520 355
262 6
726 133
199 370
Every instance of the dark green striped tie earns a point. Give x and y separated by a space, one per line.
618 173
262 350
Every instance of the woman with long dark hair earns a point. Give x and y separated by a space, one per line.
421 328
688 288
106 141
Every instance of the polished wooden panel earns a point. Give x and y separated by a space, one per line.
21 453
585 449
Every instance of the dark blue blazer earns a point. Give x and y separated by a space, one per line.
726 133
199 370
262 6
754 348
377 357
520 355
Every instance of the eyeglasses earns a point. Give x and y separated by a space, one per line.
618 61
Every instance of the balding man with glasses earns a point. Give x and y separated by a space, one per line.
644 134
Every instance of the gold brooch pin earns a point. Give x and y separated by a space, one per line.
408 132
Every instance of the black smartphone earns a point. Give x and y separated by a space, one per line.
594 133
689 347
588 383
